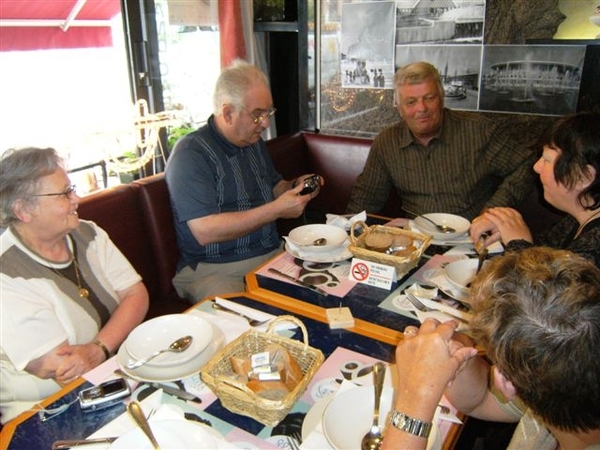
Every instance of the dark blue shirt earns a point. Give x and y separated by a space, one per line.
206 174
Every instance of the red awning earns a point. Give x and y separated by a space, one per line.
49 24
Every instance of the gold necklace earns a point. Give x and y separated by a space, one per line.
588 220
82 291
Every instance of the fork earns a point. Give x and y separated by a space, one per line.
293 443
421 307
417 303
251 321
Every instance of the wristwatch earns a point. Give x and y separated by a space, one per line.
410 425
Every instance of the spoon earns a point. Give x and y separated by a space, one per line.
178 346
135 411
442 228
372 440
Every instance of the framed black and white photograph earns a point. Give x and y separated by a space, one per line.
440 21
532 79
367 50
459 66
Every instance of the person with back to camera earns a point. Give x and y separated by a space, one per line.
537 316
439 160
69 296
569 171
226 194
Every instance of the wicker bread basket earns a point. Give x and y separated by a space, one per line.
403 264
236 397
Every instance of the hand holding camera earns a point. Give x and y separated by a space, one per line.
311 184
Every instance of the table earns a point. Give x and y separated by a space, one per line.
28 432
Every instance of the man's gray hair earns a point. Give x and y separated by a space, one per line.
234 83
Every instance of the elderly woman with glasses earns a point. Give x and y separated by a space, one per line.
69 296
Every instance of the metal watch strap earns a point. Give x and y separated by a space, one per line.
410 425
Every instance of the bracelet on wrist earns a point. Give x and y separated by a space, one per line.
408 424
103 347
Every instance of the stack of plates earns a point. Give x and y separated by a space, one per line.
460 224
341 253
300 245
157 334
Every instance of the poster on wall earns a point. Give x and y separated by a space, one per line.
440 21
459 66
367 44
531 79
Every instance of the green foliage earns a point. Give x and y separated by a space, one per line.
177 132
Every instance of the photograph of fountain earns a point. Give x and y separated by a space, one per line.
531 79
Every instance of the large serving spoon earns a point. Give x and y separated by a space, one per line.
441 228
178 346
137 414
372 440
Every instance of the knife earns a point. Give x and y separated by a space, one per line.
180 393
72 443
312 287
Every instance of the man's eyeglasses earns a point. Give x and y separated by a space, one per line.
264 116
67 192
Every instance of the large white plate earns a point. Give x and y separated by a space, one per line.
172 373
314 415
349 416
341 254
170 434
158 333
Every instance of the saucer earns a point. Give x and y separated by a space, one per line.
341 254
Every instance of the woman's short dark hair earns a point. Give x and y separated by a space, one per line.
578 138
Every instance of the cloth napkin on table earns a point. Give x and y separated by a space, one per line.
233 326
344 221
123 424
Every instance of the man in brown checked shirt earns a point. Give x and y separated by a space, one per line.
440 160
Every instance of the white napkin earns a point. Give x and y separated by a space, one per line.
123 424
233 326
345 221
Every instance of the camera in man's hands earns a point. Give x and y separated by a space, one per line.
311 184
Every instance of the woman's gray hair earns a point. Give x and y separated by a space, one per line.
234 83
416 73
20 174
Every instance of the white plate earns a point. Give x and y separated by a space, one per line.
305 235
158 333
341 254
460 224
314 415
349 415
170 434
171 373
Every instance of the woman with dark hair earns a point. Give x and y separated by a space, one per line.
569 171
69 297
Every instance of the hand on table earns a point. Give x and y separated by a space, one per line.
504 224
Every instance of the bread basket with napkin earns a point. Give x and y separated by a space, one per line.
374 241
236 396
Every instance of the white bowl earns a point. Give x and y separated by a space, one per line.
349 415
304 236
460 224
461 273
158 333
